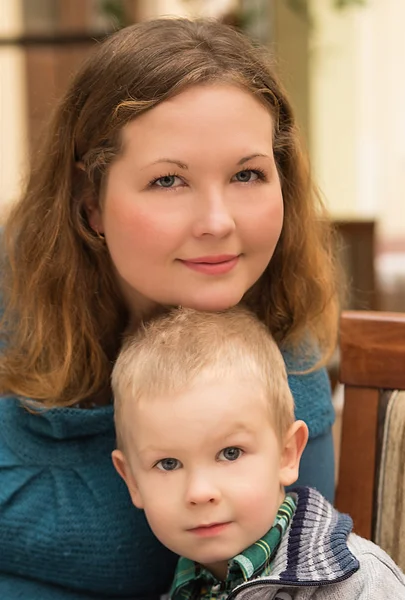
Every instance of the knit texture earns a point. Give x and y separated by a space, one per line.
312 394
316 544
65 515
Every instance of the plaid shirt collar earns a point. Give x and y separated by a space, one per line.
255 560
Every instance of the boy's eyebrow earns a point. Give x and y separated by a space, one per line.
153 450
240 428
237 429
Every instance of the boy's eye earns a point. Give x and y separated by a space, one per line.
246 176
230 453
168 464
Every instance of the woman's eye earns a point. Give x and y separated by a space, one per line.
168 181
230 453
246 176
168 464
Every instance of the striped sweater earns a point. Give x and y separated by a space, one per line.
320 559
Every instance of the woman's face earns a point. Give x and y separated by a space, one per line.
193 207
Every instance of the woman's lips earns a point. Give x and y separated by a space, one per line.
212 265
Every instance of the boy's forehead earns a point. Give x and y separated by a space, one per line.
225 385
226 405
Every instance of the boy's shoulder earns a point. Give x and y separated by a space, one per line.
320 558
377 578
375 564
339 565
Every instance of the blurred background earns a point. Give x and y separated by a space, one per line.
341 60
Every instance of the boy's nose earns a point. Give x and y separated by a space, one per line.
200 490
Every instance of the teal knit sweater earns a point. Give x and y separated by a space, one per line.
68 530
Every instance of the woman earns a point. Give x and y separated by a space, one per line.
171 175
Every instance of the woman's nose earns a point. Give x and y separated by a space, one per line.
213 216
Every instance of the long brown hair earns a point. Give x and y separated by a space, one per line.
64 316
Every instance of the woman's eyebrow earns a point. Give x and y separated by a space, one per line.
246 158
180 164
183 165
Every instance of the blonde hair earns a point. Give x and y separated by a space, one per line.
64 315
167 355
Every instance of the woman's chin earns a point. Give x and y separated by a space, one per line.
214 304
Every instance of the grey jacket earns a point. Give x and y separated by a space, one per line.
319 559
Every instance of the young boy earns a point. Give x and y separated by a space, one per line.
207 442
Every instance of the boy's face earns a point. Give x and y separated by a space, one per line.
207 467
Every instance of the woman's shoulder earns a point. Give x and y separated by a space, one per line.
26 423
311 390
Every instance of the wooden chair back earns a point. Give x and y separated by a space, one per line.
372 354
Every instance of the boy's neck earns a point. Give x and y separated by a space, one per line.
220 569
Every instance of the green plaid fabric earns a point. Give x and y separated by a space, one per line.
191 581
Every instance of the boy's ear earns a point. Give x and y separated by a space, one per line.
293 446
125 472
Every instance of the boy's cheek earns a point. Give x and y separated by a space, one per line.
149 496
136 497
161 521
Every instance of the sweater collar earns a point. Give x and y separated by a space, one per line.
314 550
57 423
56 436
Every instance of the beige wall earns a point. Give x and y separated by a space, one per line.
190 8
383 62
13 123
334 90
290 40
357 115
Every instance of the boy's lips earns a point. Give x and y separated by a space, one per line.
209 530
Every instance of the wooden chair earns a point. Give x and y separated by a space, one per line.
372 346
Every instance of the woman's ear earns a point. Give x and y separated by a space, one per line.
125 472
89 202
93 214
293 446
